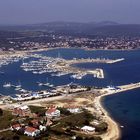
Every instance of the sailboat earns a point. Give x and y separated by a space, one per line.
7 85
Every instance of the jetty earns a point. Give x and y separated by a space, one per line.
122 88
128 87
94 60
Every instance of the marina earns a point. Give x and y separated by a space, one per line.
47 68
64 67
39 77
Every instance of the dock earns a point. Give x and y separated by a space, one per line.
122 88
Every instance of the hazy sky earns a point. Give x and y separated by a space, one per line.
37 11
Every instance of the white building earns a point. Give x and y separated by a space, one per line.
42 128
73 109
52 112
32 132
88 129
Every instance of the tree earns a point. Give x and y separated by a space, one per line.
16 138
86 122
102 127
79 138
1 112
30 124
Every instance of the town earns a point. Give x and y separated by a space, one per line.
67 116
44 40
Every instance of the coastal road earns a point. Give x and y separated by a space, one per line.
38 101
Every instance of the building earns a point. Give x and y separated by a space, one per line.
42 128
52 112
73 109
16 127
32 132
21 111
88 129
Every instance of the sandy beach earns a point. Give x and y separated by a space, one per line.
113 132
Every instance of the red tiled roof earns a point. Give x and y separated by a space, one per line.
30 129
51 110
35 121
16 125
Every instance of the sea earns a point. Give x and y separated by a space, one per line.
123 107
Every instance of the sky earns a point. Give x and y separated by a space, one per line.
41 11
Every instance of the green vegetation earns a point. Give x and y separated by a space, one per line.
5 119
38 110
77 119
88 138
9 135
102 127
72 122
1 112
64 111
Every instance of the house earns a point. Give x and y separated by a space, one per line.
73 109
52 112
42 128
16 127
31 131
35 123
88 129
21 110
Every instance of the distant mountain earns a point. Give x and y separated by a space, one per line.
104 28
62 24
106 23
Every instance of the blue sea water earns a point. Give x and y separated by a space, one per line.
123 107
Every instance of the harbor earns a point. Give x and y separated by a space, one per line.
46 71
60 66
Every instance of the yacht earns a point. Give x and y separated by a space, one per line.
51 85
40 84
7 85
78 76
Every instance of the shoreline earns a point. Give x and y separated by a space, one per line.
114 131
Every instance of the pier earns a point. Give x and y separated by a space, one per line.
122 88
128 87
95 60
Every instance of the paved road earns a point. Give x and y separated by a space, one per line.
3 130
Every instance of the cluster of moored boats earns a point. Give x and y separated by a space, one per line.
45 84
17 87
28 95
48 65
39 66
8 60
79 75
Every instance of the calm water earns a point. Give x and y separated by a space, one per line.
123 107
